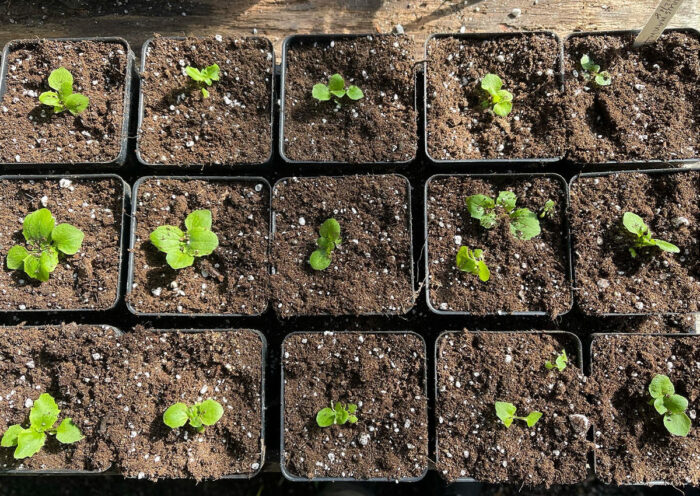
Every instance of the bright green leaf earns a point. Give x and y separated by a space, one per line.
210 411
524 224
29 443
321 92
44 412
38 225
341 415
48 260
675 403
198 219
76 103
507 200
634 224
67 238
502 109
60 77
532 418
167 238
677 424
478 205
50 98
330 230
179 260
505 411
666 246
194 73
491 83
9 439
16 256
660 386
325 417
336 83
67 432
32 266
175 416
355 93
319 260
659 405
201 242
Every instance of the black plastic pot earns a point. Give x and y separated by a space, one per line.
121 157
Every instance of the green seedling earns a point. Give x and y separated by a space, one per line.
506 412
635 225
199 415
330 239
524 224
182 247
472 261
672 406
336 88
559 363
338 414
42 418
45 240
592 72
63 98
204 76
499 101
547 209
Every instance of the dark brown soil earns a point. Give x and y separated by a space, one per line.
457 126
608 279
384 374
65 361
526 276
476 369
232 126
31 133
632 443
90 278
371 269
381 127
232 280
650 111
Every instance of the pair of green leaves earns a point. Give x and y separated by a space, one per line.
635 225
559 363
63 98
472 261
45 240
206 76
182 247
336 414
601 78
499 100
506 412
330 239
524 224
669 404
336 87
42 417
198 415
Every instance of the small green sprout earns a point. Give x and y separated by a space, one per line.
472 261
337 414
182 247
330 239
672 406
45 240
208 412
635 225
42 417
592 71
336 87
506 412
559 363
547 209
63 98
498 100
204 76
524 224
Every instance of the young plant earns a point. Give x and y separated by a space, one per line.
498 100
337 414
635 225
592 72
208 412
559 363
182 247
547 209
672 406
472 261
506 412
45 240
204 76
336 88
524 224
63 98
330 239
42 417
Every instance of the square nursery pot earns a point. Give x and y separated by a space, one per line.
33 137
384 374
371 272
459 130
530 277
475 369
632 444
233 280
162 368
380 128
609 280
91 279
649 111
65 361
179 128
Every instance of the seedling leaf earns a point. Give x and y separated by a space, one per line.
44 413
524 224
642 236
498 100
181 247
592 72
16 256
669 404
336 414
678 424
175 416
532 418
61 80
210 412
198 415
29 443
335 87
67 238
67 432
330 239
9 439
559 363
472 261
325 417
354 93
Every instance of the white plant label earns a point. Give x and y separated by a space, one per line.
657 22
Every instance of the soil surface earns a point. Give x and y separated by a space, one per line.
633 446
528 275
458 128
650 111
476 369
608 279
370 271
232 126
31 132
232 280
381 127
90 278
384 374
